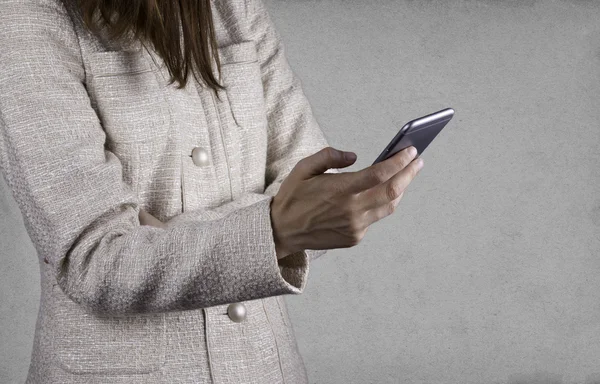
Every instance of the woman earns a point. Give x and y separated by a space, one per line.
170 214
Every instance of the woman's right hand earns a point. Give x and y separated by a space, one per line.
317 210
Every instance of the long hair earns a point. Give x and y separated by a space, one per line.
158 22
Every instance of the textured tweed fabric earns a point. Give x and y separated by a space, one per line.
90 133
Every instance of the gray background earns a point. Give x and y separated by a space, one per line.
488 272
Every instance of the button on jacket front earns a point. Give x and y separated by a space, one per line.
91 133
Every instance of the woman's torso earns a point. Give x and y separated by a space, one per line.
181 150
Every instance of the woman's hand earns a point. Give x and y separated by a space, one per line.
313 210
148 219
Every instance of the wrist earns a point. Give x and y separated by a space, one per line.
283 246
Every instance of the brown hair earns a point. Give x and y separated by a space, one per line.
158 22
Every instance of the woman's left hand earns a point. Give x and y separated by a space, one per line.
148 219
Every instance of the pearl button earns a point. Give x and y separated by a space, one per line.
237 312
200 156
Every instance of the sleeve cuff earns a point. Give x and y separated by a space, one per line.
292 270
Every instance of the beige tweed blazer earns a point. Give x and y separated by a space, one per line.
90 133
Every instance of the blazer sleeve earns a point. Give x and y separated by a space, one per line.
83 218
293 131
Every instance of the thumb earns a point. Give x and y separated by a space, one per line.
323 160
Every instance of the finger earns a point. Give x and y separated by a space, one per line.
376 214
382 194
323 160
379 173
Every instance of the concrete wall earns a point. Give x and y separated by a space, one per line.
489 271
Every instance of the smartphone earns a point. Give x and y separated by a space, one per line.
418 133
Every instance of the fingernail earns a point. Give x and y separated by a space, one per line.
412 151
350 155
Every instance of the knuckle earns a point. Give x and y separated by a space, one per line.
391 208
377 175
355 238
355 225
361 234
330 152
353 199
415 170
300 164
393 191
349 213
